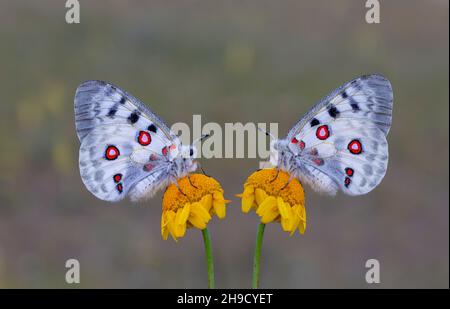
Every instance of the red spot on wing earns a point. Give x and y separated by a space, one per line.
119 188
302 145
164 151
148 167
144 138
323 132
111 152
318 161
117 177
349 171
355 146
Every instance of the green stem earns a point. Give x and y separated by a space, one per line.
257 256
209 257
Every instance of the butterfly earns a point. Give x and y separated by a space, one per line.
340 143
126 149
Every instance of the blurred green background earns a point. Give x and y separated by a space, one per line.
230 61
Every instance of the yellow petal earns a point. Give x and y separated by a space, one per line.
206 201
219 204
218 196
219 208
198 209
302 227
301 217
294 222
180 230
199 217
270 215
164 227
248 190
265 205
170 224
164 219
247 204
302 212
283 208
268 210
260 195
286 224
286 214
183 214
179 226
248 198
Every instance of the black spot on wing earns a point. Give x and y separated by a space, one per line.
354 105
333 111
344 95
122 100
152 128
347 182
314 122
112 112
134 117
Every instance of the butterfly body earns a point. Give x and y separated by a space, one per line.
340 144
171 170
126 150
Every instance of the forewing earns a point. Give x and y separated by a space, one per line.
98 103
368 98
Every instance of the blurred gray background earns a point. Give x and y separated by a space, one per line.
230 61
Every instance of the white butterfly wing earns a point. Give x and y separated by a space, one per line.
368 98
124 146
341 142
101 103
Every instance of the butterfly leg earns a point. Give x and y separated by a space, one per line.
287 183
179 189
190 182
203 171
276 176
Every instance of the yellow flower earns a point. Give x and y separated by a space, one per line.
191 204
274 200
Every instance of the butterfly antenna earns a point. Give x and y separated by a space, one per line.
267 133
201 138
201 168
